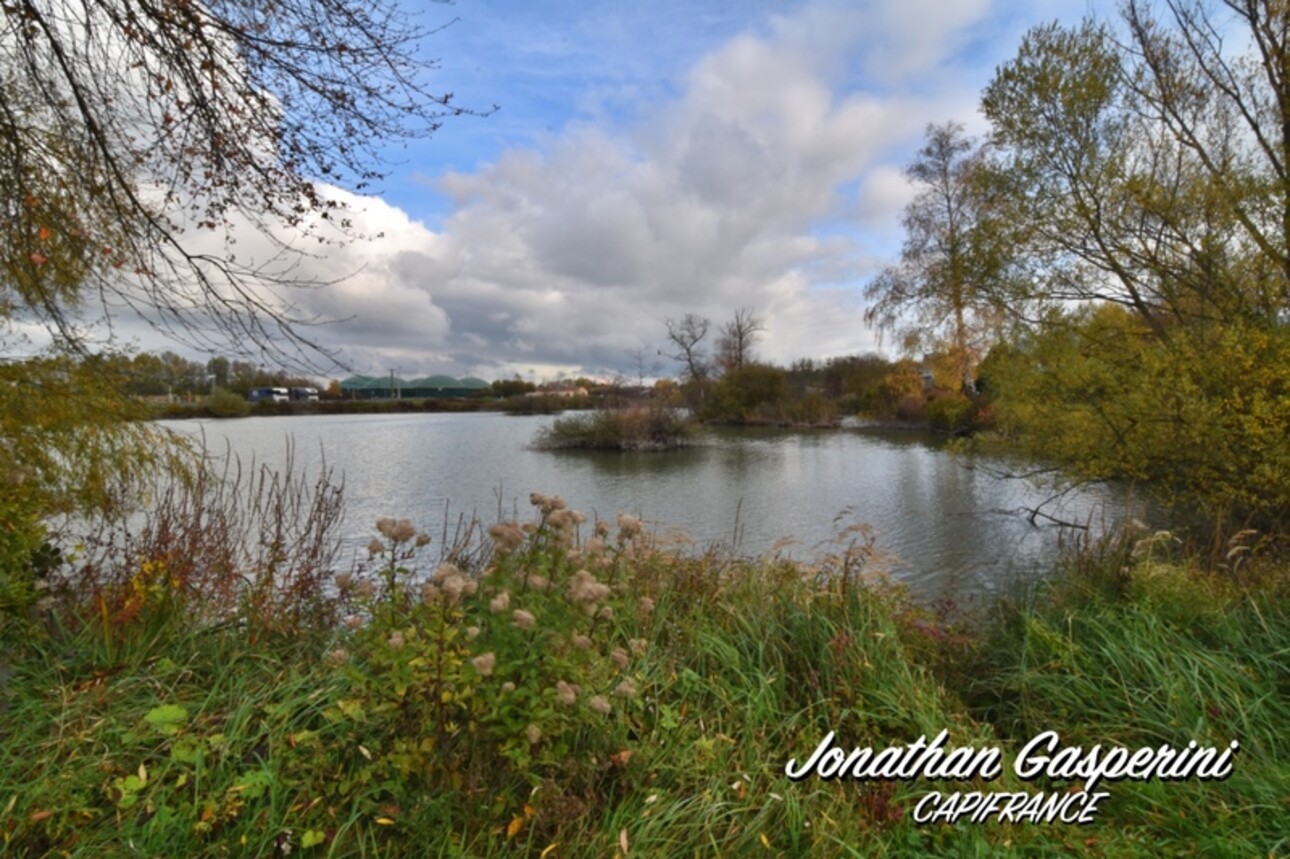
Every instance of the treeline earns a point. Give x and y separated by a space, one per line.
167 374
727 384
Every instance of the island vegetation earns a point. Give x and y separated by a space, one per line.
635 428
1100 287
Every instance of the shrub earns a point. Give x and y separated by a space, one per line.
223 403
952 412
639 428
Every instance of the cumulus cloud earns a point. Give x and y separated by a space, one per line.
768 183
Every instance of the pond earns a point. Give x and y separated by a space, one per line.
951 523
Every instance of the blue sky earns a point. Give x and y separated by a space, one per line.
651 159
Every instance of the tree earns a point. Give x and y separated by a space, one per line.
1151 167
735 345
950 257
687 335
134 137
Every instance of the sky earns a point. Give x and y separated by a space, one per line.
647 160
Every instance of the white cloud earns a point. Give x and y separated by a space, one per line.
763 185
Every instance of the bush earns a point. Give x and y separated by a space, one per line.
952 412
641 428
223 403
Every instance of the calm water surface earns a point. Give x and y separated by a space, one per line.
948 519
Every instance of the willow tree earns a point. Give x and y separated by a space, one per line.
939 296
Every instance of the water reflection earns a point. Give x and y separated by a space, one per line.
940 513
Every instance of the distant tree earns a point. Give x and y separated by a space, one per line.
512 387
737 338
218 368
641 363
686 336
939 296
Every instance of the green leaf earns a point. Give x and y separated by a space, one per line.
168 718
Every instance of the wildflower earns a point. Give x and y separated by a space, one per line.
343 581
629 527
423 539
395 640
485 663
600 705
396 531
508 687
602 528
537 499
596 545
585 588
507 537
430 593
647 605
338 657
376 547
365 590
538 583
565 692
605 613
626 689
638 646
620 658
523 619
454 586
580 641
353 622
472 632
500 602
534 733
444 571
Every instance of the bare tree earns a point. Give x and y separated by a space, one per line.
687 335
135 137
735 345
642 364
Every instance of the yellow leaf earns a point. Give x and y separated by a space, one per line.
550 848
765 842
514 827
385 821
622 840
529 811
143 774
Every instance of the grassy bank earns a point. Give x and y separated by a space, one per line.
587 693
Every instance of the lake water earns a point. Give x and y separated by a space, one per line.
950 521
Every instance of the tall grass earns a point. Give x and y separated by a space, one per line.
580 690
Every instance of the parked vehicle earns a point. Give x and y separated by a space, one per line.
304 395
270 395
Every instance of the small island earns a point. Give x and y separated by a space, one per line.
634 428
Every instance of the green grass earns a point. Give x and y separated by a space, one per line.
151 737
